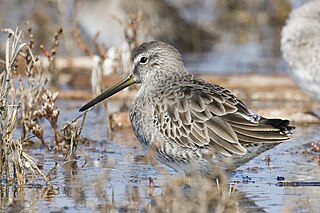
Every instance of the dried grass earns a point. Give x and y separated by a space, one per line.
201 194
15 163
120 58
25 103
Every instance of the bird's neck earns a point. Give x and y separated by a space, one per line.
157 80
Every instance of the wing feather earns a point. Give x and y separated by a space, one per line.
195 119
203 115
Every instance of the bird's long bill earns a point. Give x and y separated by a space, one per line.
129 80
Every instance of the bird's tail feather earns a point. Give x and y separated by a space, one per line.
264 131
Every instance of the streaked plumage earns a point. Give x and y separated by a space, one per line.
190 124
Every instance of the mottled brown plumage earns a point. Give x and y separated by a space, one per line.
192 125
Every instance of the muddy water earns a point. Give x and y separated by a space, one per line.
107 173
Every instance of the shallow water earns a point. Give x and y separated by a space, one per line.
106 173
109 172
225 59
289 161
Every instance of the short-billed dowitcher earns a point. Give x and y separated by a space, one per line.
191 125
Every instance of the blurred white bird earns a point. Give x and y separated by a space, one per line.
300 44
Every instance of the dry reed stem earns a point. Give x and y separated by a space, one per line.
76 32
97 68
13 158
131 27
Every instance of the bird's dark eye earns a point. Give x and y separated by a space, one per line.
143 60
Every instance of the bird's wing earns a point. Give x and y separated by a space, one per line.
192 116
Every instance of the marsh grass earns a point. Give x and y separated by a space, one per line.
26 102
119 59
199 194
37 101
15 163
71 132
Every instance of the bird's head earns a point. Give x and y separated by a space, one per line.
151 61
154 59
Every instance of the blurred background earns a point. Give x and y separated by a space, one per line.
233 43
215 36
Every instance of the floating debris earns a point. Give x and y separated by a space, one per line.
297 183
280 178
315 150
151 183
243 179
267 160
